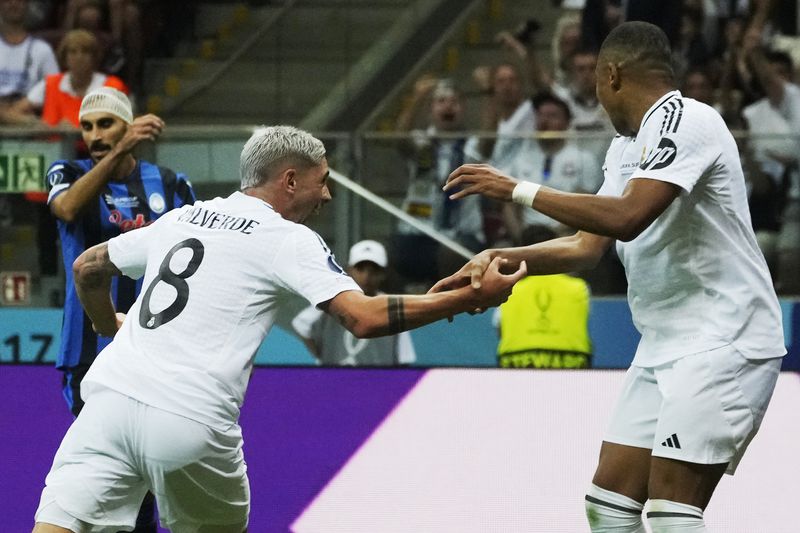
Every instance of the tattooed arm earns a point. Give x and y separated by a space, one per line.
92 271
375 316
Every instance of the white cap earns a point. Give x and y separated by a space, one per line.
372 251
107 100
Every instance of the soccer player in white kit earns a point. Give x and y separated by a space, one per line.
163 399
674 201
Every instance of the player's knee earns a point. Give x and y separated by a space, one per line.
610 512
666 516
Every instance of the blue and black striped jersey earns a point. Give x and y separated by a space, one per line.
135 201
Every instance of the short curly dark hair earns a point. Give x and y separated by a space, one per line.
639 44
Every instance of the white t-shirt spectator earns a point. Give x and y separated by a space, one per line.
521 122
571 169
24 64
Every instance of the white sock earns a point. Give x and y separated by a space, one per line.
665 516
610 512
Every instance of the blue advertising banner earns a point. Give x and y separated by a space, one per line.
33 335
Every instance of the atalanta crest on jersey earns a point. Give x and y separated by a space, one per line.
156 202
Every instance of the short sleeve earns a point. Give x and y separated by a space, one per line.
128 251
184 193
60 176
306 266
681 145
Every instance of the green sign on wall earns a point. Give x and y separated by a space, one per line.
22 172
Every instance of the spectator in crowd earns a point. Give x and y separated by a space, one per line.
124 24
24 61
566 41
577 88
697 84
579 94
334 345
555 161
739 84
511 113
778 114
99 198
58 97
766 200
545 321
163 399
674 200
432 154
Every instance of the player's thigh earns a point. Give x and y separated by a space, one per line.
92 481
714 403
624 463
198 475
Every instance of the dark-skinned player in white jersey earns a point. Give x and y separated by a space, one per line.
674 200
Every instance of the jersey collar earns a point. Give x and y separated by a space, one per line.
254 198
661 101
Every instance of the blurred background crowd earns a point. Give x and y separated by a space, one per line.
402 92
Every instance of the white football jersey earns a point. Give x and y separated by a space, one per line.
215 276
696 277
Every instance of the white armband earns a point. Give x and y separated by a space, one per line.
524 193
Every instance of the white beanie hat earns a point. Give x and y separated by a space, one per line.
107 100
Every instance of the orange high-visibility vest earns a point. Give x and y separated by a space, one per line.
59 105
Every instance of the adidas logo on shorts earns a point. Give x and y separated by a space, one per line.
672 442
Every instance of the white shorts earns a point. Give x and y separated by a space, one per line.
119 448
703 408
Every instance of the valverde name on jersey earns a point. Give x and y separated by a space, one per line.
206 218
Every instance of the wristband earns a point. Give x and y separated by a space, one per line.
524 193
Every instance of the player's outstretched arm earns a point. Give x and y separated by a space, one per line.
620 217
92 272
375 316
576 252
